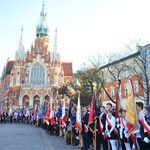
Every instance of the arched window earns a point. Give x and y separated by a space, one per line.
37 75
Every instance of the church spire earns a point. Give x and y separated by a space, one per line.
55 41
56 55
21 37
42 28
20 53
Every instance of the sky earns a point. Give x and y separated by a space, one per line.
84 27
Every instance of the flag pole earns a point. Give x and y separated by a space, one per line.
94 92
95 135
60 133
71 132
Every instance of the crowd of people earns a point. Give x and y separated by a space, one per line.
110 133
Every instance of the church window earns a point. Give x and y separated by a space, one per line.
37 75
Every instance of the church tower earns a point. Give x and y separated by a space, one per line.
34 75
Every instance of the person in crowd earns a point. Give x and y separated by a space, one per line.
123 132
139 107
90 133
15 116
145 130
85 117
102 124
111 130
109 106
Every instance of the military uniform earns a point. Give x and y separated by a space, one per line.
84 132
111 131
145 132
102 128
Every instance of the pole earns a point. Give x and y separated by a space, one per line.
71 134
95 122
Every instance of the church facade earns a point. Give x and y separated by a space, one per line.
33 77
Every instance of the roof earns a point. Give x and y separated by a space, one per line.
67 67
9 66
120 60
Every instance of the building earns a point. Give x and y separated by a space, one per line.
34 76
136 67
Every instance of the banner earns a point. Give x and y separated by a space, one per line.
78 116
64 117
131 114
72 112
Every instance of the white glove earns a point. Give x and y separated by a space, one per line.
121 136
146 140
136 131
108 134
117 120
126 134
118 125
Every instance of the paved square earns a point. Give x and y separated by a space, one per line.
29 137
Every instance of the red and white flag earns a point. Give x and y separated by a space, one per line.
46 118
52 114
78 116
64 117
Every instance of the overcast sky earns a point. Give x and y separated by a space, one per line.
84 26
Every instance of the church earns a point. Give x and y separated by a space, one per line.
33 77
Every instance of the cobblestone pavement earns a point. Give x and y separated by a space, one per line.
29 137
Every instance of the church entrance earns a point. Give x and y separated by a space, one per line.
46 101
25 101
36 101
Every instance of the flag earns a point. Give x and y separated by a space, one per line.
35 110
72 111
131 114
64 117
59 111
78 119
40 113
52 115
45 109
46 118
92 113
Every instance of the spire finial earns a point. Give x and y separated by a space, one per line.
56 55
43 7
42 28
21 37
55 41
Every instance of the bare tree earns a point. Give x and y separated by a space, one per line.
142 61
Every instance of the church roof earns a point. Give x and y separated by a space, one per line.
67 67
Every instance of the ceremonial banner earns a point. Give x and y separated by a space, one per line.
47 115
131 114
59 112
52 115
92 114
78 117
40 113
35 110
72 111
64 117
